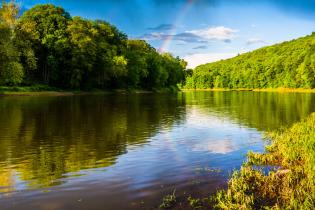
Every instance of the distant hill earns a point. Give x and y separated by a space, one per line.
289 64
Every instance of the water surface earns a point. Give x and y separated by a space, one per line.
128 151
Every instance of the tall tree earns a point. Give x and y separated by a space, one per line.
11 71
45 26
46 45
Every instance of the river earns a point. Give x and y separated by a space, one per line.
127 151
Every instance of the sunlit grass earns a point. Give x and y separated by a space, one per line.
168 201
292 186
278 90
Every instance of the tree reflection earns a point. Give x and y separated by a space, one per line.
44 138
261 110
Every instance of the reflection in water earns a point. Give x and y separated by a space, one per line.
131 147
260 110
43 138
215 146
7 182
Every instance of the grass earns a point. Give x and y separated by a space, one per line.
33 88
291 186
168 201
38 90
289 182
194 203
286 90
30 90
279 90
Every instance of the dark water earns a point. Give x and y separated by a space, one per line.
120 152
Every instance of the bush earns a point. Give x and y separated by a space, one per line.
12 74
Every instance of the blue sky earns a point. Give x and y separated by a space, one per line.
200 31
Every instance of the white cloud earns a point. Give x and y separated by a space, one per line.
204 35
215 33
203 58
255 41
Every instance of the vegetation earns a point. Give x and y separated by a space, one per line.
168 201
292 186
289 64
281 178
49 47
194 203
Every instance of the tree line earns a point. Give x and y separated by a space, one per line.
45 45
290 64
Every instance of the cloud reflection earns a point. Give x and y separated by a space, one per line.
215 146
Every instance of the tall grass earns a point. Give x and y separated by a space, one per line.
33 88
291 186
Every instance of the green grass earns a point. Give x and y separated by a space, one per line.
194 203
28 90
35 90
168 201
291 186
278 90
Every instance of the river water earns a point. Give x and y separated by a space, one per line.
121 152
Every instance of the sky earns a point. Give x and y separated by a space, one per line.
200 31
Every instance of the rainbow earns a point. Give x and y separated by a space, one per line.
167 41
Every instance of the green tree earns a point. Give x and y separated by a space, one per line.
47 46
11 71
137 52
45 26
289 64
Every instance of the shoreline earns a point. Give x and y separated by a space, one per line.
289 186
281 177
126 91
73 93
278 90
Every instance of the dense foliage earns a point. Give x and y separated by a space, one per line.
289 64
48 46
292 186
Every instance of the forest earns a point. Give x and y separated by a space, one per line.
45 45
290 64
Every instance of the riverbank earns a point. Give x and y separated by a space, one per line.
291 186
279 90
281 178
49 91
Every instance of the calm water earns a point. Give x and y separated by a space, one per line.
120 152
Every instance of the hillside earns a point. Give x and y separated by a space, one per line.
289 64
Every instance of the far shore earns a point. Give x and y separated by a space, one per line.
126 91
72 93
279 90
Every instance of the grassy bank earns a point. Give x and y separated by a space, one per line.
289 182
279 90
32 90
43 90
291 186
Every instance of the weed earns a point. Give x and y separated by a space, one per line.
195 203
168 201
